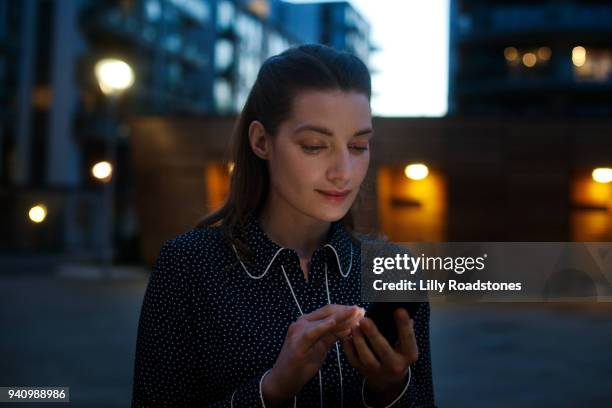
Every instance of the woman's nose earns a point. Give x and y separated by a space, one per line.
340 168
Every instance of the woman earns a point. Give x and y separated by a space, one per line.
259 305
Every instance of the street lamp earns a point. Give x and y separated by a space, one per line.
416 171
114 77
103 171
37 213
602 174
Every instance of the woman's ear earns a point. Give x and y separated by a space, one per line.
259 140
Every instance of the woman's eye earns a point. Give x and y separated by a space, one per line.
359 148
312 148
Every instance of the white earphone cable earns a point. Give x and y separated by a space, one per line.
337 348
302 313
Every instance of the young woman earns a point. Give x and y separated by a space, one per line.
259 305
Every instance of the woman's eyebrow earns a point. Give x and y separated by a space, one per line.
327 132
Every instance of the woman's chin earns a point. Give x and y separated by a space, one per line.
325 213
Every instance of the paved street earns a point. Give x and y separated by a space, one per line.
81 333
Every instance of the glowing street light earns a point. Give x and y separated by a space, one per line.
511 54
102 170
602 174
416 171
114 76
579 56
37 213
544 53
529 59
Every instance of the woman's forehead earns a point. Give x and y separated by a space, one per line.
317 108
330 96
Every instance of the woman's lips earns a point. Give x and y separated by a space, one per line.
335 196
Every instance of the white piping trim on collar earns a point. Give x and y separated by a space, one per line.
247 271
338 259
280 249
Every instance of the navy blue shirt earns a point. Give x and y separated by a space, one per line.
212 324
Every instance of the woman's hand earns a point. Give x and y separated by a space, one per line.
305 348
385 367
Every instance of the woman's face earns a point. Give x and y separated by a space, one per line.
320 154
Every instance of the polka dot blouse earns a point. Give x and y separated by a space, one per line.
212 324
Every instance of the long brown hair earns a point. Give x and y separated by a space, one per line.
280 78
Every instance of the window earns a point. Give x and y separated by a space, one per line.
223 94
152 10
224 54
225 14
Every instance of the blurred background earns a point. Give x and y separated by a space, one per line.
493 123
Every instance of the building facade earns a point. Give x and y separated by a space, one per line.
189 58
530 57
336 23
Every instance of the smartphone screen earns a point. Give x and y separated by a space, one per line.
382 313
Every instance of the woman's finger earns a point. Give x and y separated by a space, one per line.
315 331
340 312
379 343
326 342
366 357
321 313
408 345
344 329
347 314
342 334
347 324
351 353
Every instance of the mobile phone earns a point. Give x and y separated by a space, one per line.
382 313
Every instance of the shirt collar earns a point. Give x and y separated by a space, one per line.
339 250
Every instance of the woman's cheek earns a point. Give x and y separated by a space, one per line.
297 175
364 164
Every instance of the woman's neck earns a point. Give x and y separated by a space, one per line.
294 230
